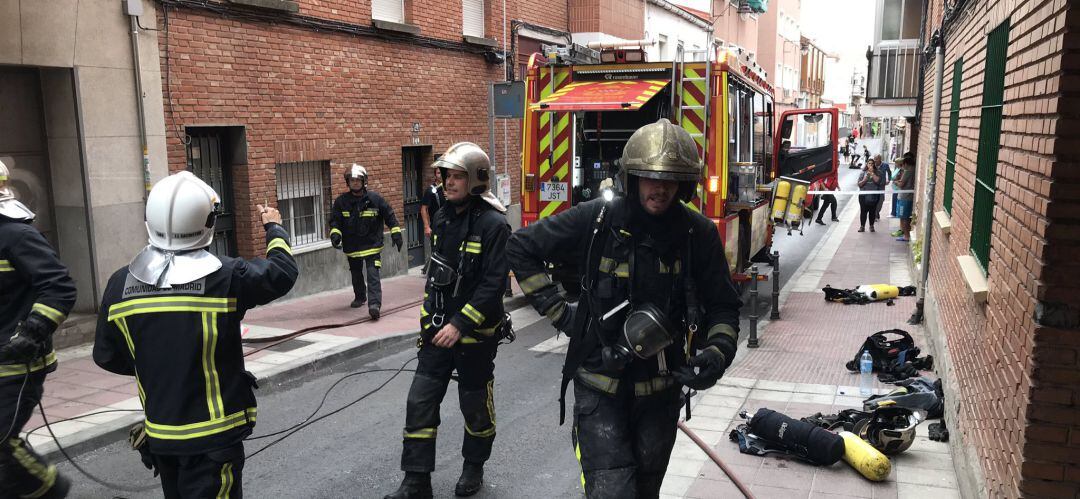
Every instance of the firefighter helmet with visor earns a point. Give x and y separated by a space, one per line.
662 151
471 159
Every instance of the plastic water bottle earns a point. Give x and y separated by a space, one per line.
866 374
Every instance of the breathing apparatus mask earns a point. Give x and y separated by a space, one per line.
440 273
646 332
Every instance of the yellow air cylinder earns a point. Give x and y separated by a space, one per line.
795 208
867 460
879 291
780 199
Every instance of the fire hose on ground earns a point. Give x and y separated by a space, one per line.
716 459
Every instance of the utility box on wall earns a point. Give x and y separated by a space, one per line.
508 99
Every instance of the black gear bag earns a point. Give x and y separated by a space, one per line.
887 348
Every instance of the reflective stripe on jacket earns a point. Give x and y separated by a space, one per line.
182 344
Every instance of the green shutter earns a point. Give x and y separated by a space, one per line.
954 124
982 217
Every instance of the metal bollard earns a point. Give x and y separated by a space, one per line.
752 342
775 286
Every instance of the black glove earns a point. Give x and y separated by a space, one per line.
335 240
396 238
566 320
711 364
137 439
28 342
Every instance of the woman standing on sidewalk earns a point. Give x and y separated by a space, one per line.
869 180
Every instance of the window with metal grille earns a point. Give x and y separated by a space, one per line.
982 217
304 198
954 124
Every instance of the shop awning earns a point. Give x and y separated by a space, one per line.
626 95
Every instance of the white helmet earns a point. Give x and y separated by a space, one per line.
5 192
10 207
180 213
356 171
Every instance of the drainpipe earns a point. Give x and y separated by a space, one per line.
133 9
928 203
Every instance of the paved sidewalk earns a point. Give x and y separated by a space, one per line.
79 388
799 370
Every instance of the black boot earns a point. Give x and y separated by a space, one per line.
415 485
357 303
472 478
374 312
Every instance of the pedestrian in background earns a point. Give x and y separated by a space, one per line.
827 200
906 200
886 177
869 180
433 199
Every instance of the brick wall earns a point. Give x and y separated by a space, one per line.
1017 379
336 96
621 18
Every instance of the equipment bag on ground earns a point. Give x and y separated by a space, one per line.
769 431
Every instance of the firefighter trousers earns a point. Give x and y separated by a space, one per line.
623 441
214 474
23 473
475 366
372 291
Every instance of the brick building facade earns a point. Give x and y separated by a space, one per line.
1002 305
283 96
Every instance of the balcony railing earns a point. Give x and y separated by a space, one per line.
894 73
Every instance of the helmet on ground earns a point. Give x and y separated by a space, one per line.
180 213
356 171
471 159
890 430
662 151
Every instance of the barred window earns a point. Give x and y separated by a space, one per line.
304 198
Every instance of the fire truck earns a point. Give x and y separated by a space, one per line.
578 117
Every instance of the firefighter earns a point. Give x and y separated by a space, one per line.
171 318
36 295
658 310
461 321
356 228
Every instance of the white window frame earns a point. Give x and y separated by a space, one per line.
388 10
469 26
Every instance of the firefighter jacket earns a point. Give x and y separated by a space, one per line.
359 221
32 281
637 259
182 344
473 243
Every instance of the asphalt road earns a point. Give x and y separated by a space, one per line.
356 452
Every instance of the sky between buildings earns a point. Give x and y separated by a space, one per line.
844 28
